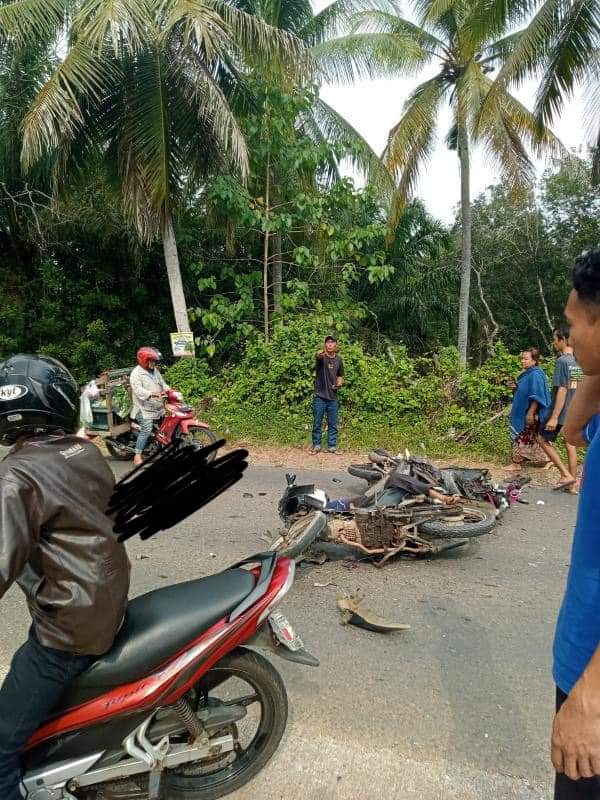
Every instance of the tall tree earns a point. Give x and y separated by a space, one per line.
142 88
317 120
445 33
562 43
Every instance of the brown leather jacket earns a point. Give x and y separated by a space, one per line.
57 543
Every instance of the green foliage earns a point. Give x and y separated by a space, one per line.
191 376
325 234
87 297
410 402
522 253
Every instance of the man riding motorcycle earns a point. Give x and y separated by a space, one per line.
57 544
147 386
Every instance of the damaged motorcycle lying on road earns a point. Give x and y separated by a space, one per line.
390 519
471 484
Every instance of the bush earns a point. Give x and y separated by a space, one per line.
190 376
424 404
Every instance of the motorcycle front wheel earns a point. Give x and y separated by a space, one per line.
241 678
199 437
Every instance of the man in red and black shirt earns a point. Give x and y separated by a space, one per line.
329 376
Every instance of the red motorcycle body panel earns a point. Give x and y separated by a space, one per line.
175 677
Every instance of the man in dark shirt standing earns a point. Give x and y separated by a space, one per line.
329 376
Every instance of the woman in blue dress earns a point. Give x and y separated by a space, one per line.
531 402
531 407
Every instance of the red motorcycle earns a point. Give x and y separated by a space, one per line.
178 424
178 709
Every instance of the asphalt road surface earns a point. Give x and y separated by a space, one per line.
458 708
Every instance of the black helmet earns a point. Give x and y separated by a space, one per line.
37 395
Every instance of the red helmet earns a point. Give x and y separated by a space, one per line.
147 354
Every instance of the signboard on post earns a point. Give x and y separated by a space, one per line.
182 344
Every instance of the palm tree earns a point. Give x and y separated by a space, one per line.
138 88
445 33
414 306
562 43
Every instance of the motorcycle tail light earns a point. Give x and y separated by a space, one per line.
281 592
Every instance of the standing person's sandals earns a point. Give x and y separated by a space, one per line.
314 451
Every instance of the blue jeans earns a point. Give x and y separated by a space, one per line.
31 691
145 434
320 408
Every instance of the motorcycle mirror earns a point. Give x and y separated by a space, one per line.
290 478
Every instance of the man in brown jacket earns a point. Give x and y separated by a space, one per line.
57 544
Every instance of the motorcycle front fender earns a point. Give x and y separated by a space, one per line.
186 424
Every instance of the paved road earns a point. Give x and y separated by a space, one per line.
456 708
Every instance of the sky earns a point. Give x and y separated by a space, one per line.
373 107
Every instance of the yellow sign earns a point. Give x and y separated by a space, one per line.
182 344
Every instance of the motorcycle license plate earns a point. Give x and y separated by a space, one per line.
284 633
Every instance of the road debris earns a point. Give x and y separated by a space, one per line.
354 613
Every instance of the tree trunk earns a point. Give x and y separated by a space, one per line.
545 304
266 252
492 333
182 321
465 276
277 272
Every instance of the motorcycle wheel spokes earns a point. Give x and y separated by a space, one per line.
200 437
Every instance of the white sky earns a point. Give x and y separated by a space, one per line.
374 107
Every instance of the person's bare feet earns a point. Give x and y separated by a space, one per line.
565 484
137 460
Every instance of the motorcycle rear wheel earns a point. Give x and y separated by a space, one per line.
254 670
473 522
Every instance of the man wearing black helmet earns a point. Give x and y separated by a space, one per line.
57 544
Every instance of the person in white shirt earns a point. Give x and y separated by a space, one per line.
147 387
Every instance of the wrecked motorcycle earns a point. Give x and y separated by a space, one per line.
472 484
380 524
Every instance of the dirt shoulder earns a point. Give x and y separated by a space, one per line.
301 458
